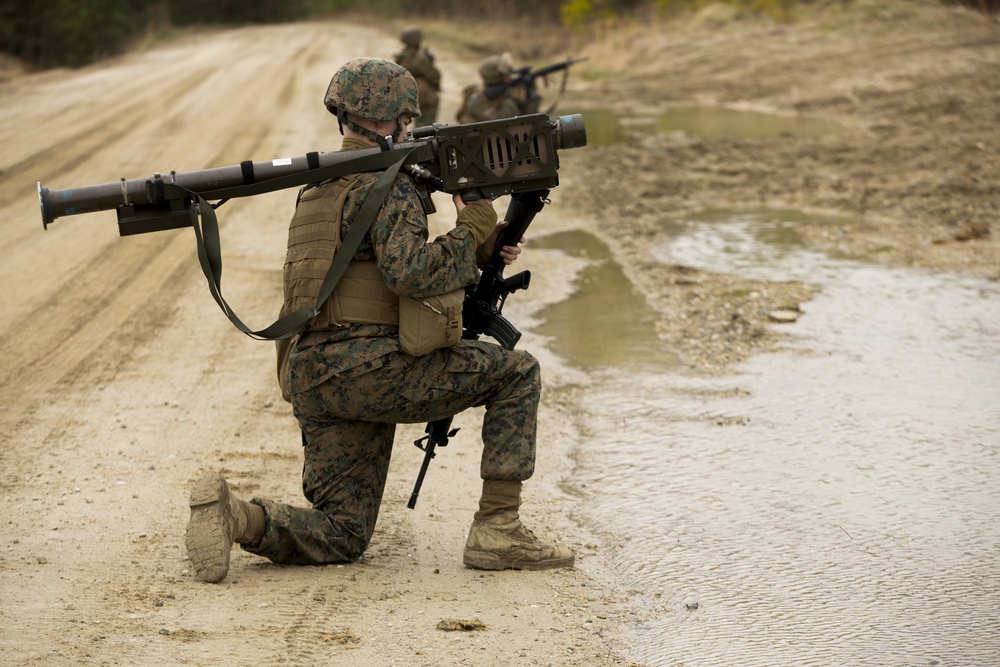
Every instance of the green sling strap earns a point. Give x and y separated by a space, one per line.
206 229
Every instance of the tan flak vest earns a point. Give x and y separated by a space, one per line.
360 297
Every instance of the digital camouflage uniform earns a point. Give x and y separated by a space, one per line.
351 389
419 62
350 383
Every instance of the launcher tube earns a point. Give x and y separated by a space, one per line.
106 196
490 159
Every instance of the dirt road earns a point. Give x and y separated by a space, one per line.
122 382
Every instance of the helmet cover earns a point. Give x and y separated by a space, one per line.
495 68
372 88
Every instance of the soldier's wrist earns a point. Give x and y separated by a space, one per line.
480 218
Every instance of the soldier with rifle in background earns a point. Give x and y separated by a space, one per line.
476 106
351 377
419 61
507 91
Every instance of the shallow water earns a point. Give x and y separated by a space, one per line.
832 503
620 327
607 126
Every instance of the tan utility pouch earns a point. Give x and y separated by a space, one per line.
430 323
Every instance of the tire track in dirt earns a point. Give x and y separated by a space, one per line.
310 621
99 135
123 291
107 307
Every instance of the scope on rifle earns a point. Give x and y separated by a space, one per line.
489 158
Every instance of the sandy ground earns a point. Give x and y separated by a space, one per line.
122 382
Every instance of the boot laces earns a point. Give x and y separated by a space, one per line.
522 533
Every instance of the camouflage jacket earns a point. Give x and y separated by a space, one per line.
411 266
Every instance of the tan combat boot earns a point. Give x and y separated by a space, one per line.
499 541
218 518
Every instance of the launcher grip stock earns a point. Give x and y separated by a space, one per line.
521 211
481 313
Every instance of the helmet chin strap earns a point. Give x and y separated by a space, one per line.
385 142
399 130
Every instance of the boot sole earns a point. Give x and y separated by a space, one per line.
485 560
208 544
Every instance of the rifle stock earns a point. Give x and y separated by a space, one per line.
481 313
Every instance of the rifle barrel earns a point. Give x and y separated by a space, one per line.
555 67
525 76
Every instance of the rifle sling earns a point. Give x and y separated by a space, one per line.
206 230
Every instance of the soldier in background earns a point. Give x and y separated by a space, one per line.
419 61
513 101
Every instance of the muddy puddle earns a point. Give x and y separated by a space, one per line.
606 127
620 327
832 503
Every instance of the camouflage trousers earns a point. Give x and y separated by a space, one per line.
349 422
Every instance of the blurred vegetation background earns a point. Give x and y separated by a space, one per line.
73 33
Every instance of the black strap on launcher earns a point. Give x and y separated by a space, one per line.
206 229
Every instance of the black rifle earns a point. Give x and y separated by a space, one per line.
526 78
481 312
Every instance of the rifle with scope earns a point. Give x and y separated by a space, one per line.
511 156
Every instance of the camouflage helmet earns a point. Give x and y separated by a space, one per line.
372 88
495 68
412 36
